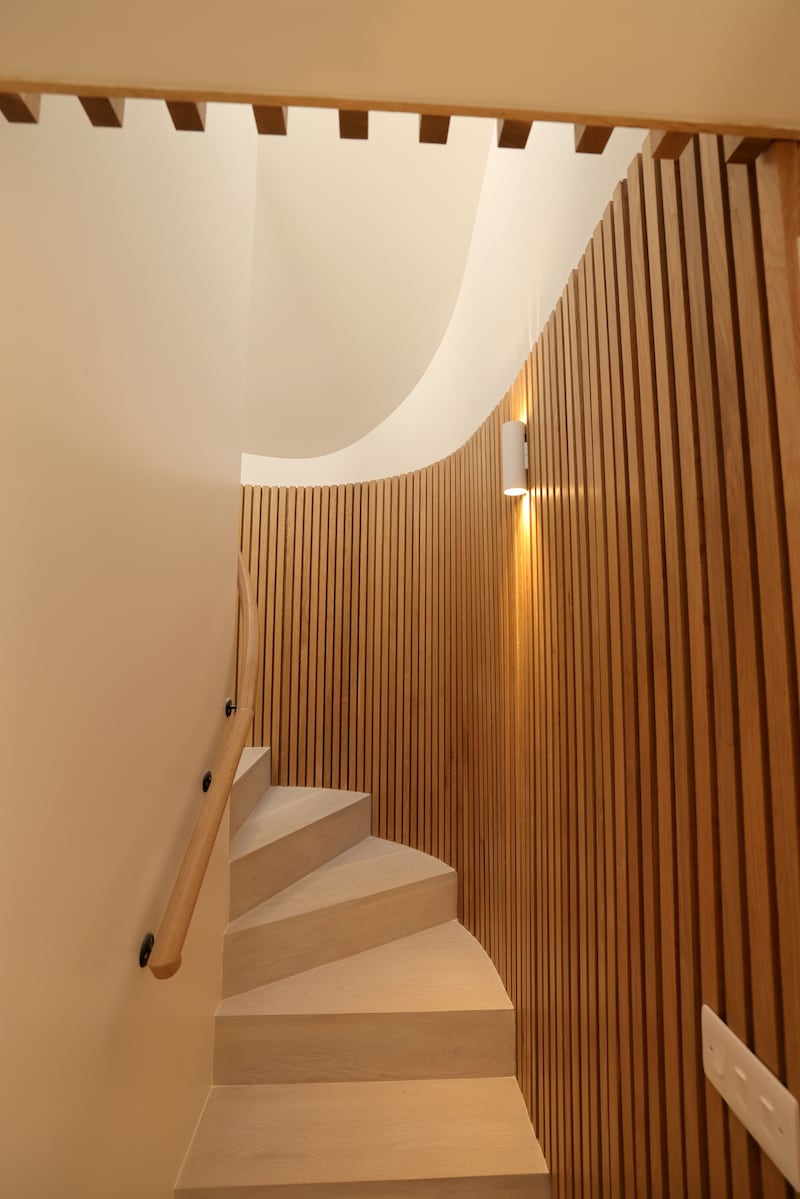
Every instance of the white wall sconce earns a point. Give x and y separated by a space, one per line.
514 454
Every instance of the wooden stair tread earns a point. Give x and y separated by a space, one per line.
369 868
312 1134
438 970
250 783
283 811
251 756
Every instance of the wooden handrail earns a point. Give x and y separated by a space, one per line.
165 958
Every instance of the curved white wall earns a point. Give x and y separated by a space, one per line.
358 258
536 213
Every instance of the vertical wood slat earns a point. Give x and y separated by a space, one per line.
728 785
587 700
778 184
659 832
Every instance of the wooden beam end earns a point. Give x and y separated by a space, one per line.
433 130
513 134
353 125
104 112
188 116
20 108
744 150
271 120
667 143
592 139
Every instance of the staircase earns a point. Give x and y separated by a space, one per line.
364 1045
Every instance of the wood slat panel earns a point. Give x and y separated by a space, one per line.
586 700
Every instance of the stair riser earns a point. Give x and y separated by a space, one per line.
504 1187
248 791
259 955
372 1046
261 874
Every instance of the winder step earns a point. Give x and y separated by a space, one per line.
447 1137
376 892
430 1005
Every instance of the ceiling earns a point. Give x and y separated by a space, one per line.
359 252
453 313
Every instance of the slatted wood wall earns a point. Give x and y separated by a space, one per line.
587 700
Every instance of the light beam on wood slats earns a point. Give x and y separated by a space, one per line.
587 700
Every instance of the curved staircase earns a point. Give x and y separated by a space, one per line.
364 1045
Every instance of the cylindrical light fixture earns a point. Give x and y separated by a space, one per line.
514 449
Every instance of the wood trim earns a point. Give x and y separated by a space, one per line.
104 112
591 139
434 128
377 103
188 116
165 959
20 108
512 134
354 124
667 144
271 119
745 150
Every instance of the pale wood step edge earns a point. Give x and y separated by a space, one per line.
371 865
285 810
442 968
265 952
500 1186
364 1046
351 1134
252 780
270 868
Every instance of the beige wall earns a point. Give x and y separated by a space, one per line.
699 61
123 316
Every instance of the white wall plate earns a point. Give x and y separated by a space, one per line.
768 1111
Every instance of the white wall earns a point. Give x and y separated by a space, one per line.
124 291
358 258
536 213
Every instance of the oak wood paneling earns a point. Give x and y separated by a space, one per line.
586 700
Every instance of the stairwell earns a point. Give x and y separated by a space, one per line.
364 1045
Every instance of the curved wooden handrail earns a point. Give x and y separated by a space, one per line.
165 958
